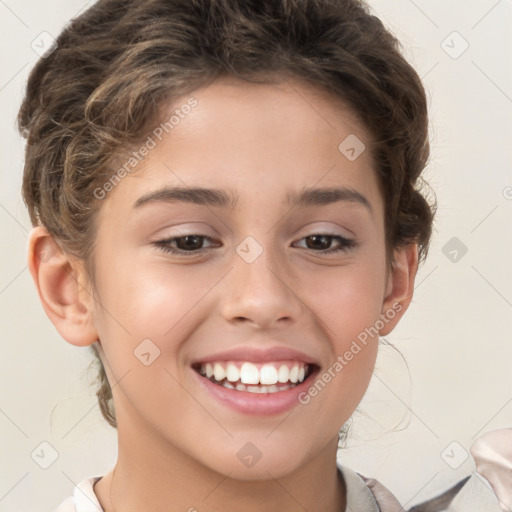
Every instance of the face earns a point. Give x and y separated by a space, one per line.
245 282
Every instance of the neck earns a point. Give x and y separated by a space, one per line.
148 477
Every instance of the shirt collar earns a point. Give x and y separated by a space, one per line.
359 497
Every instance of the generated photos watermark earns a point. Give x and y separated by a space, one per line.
343 360
150 143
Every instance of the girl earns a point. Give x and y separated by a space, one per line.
226 209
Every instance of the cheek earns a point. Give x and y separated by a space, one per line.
348 304
146 313
157 302
150 298
347 299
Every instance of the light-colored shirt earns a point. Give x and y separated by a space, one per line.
363 495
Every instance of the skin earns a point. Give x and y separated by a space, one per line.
177 446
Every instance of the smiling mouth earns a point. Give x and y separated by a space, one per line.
250 377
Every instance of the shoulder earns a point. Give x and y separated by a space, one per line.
367 494
83 499
471 494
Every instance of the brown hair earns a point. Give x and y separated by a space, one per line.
97 93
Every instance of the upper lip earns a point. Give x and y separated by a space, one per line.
258 355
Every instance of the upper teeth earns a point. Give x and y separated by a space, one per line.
251 373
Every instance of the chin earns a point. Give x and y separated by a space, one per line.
255 461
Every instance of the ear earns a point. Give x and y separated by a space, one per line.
62 288
400 287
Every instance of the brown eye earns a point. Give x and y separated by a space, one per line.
184 244
322 243
189 242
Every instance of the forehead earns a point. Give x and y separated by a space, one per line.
292 110
257 140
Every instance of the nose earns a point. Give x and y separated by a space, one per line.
261 293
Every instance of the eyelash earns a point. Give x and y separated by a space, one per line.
345 244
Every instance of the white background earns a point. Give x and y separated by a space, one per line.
456 336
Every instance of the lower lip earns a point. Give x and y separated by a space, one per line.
256 404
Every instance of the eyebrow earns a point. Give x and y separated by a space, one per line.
222 198
323 196
200 196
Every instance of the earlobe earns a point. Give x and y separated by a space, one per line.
400 287
60 283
